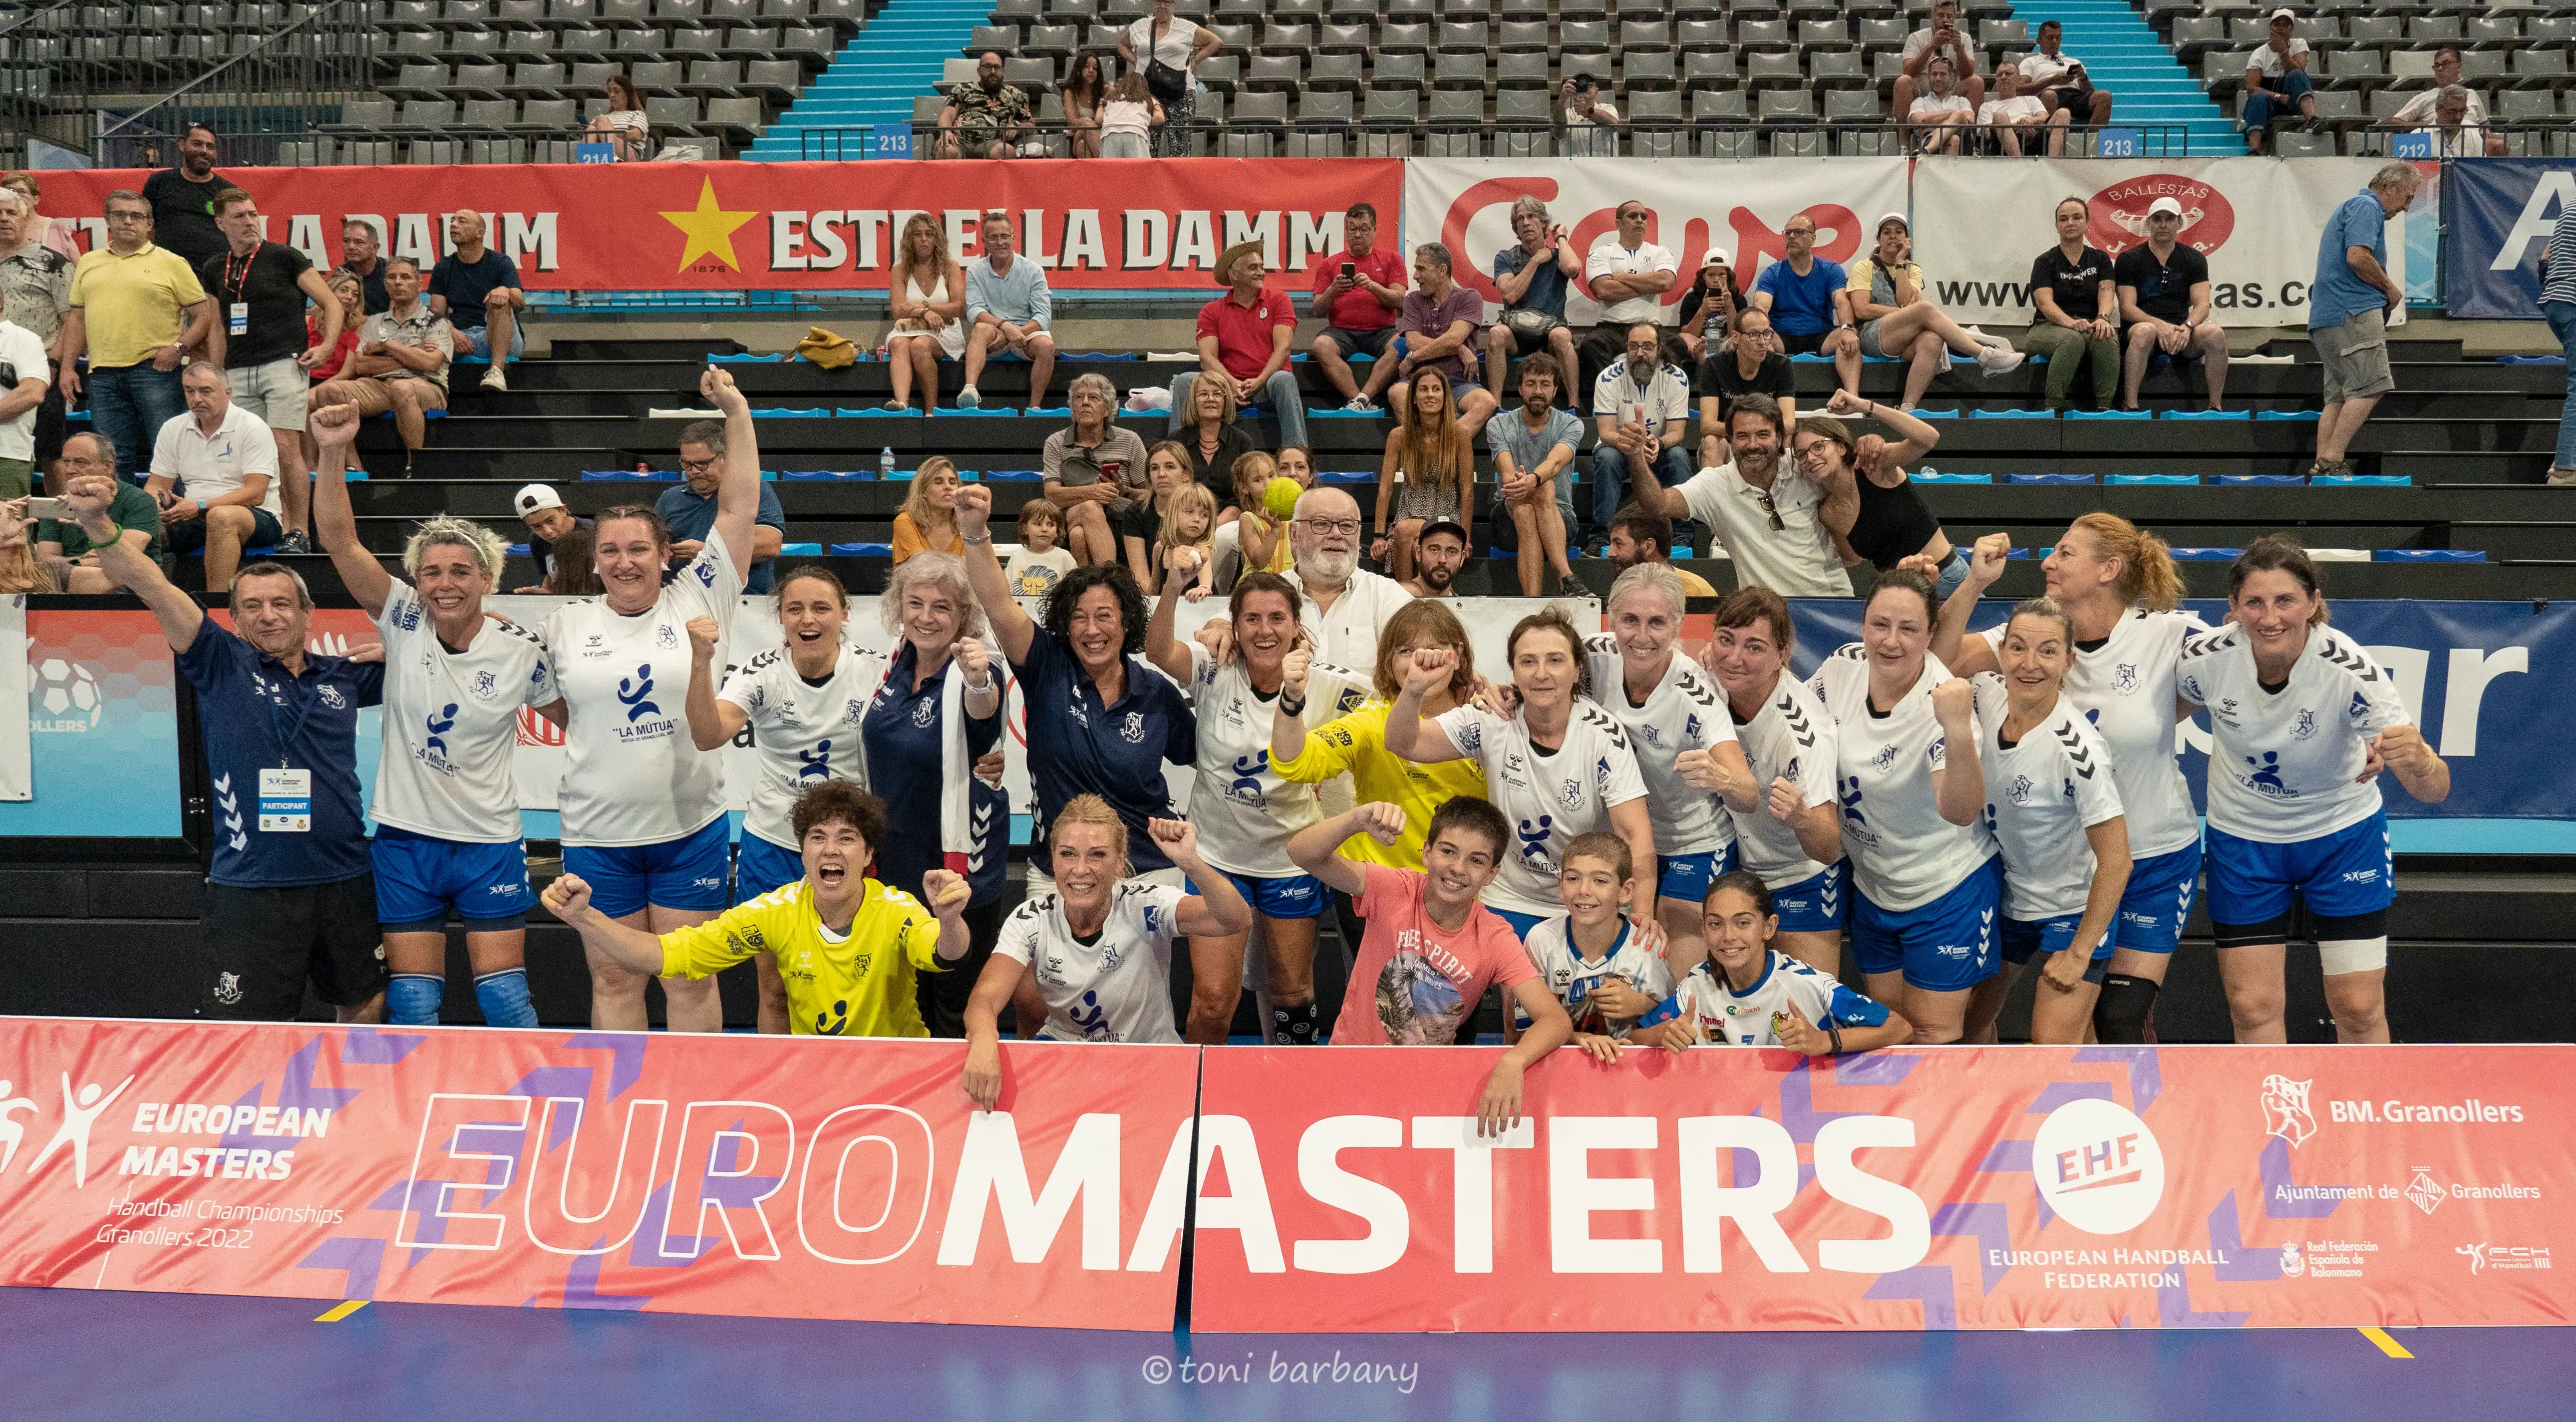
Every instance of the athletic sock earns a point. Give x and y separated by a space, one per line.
503 996
411 999
1293 1026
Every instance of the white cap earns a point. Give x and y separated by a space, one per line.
532 497
1896 217
2164 204
2286 13
1718 257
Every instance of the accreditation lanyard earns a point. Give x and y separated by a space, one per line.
286 794
237 309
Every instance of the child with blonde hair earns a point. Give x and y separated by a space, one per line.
1189 521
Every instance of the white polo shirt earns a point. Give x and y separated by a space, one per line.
22 357
1795 560
210 466
1607 258
1346 636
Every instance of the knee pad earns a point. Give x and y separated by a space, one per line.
2120 1013
2352 955
1292 1025
412 999
503 996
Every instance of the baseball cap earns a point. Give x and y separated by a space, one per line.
1718 257
2286 13
1447 525
2164 204
532 497
1896 217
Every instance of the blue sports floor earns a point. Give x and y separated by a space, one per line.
70 1355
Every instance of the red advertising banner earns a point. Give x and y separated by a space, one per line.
830 226
2019 1187
765 1176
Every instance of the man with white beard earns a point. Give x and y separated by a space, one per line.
1346 605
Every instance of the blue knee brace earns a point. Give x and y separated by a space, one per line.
503 996
411 999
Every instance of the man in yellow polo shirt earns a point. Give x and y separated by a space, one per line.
846 945
136 309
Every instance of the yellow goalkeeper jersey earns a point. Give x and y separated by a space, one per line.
1356 744
860 985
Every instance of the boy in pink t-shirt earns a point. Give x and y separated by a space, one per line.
1431 949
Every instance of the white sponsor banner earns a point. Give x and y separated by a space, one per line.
1980 223
17 780
1698 204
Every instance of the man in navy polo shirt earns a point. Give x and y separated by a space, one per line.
688 510
289 895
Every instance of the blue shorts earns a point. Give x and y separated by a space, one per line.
2346 874
760 866
2026 937
687 873
2157 902
1521 923
1291 896
1687 876
475 343
419 879
1819 903
1943 946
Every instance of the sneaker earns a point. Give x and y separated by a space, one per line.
970 398
496 379
1361 405
2562 478
1571 586
1995 360
292 543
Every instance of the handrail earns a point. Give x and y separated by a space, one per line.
308 17
836 143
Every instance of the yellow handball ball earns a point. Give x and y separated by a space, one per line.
1279 496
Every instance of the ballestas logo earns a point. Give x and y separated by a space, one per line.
2098 1166
2120 212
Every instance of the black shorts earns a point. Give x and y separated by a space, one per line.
262 944
1368 343
51 430
188 535
1803 343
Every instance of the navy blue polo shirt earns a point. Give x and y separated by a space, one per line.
1079 747
689 515
256 717
465 284
906 749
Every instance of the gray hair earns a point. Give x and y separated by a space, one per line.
2452 94
266 569
707 432
210 368
1433 253
2392 177
15 201
1652 576
106 446
947 572
447 531
1094 380
1528 205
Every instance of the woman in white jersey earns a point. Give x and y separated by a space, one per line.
1098 945
446 806
1747 993
642 806
2120 588
1914 812
1794 840
1557 768
2301 721
2055 812
1243 811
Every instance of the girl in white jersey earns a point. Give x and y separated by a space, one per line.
1557 768
1747 993
1793 840
2301 722
2120 588
642 806
1670 711
1243 811
2055 812
1098 945
1914 821
446 806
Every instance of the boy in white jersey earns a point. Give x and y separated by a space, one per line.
1749 994
446 805
1794 840
1606 970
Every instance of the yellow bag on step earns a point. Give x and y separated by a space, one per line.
825 349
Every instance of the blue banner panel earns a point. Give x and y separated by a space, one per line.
2499 212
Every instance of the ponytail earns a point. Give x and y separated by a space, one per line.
2147 572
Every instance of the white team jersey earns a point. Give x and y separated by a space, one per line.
1549 797
1117 987
2284 765
1790 738
1903 854
802 735
1685 711
1727 1018
451 723
2126 688
1244 812
631 773
1572 977
2041 795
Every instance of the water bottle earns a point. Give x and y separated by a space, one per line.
885 463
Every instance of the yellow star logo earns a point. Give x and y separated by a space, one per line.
710 229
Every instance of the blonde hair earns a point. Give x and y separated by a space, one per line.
945 569
1091 810
446 531
902 269
1654 576
2147 572
20 572
917 505
1189 498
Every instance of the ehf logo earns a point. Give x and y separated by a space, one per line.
2285 1109
666 636
2292 1264
2125 680
2305 726
2098 1166
2424 1191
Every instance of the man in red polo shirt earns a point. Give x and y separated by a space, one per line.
1243 339
1358 293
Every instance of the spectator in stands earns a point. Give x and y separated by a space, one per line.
1779 526
262 287
359 247
2164 298
1346 605
1936 122
1532 278
1243 339
1639 535
1169 50
928 520
2558 308
2077 304
1358 296
1093 470
1085 87
1167 473
1533 449
477 290
984 119
2453 135
1591 123
558 542
1628 276
622 126
1254 541
62 545
1805 297
688 508
1729 374
1639 406
289 895
401 363
2059 79
1042 559
1213 440
1710 307
183 199
2276 75
2012 117
214 473
1899 323
351 296
1128 116
1440 320
1008 308
929 317
1429 474
1439 553
59 234
2348 308
22 569
1941 39
36 292
2426 109
1892 526
149 312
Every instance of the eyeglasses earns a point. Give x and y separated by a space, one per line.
700 466
1347 527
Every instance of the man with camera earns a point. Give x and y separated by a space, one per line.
1358 295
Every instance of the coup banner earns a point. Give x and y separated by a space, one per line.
1978 226
771 1177
834 226
1940 1188
2500 211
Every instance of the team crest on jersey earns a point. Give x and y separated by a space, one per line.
2125 680
485 684
1654 736
923 713
332 698
2305 726
1573 793
228 989
666 635
1133 732
857 711
1885 759
2019 793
